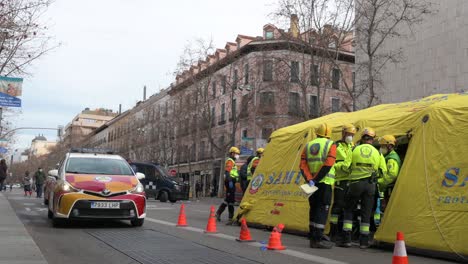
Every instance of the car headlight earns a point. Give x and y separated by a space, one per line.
177 187
139 188
66 187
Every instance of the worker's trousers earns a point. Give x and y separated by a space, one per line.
362 190
319 203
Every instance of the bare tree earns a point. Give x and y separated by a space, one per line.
320 34
23 37
380 21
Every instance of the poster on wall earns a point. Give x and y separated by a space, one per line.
10 89
247 146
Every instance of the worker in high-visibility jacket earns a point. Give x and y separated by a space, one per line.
231 176
344 150
317 160
393 161
367 163
253 165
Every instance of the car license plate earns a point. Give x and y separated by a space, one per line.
105 205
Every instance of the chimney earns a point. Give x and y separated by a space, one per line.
294 27
144 93
120 109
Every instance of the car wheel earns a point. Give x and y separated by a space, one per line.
57 222
163 196
173 201
46 201
50 214
137 222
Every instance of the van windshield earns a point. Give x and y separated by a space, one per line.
98 166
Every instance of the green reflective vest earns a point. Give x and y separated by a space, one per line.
249 167
234 173
366 160
344 151
393 162
317 152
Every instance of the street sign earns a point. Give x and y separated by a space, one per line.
3 150
3 140
10 89
173 172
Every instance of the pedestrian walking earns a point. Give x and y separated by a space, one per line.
317 160
39 178
231 176
3 174
198 189
365 167
27 184
11 187
344 150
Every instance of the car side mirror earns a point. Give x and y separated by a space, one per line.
140 175
53 173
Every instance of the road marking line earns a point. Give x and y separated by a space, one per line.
288 252
28 209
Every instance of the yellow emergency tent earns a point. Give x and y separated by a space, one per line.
430 200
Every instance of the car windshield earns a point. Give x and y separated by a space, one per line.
98 166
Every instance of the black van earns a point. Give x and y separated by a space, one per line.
159 184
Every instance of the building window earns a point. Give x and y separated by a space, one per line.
234 109
267 70
294 104
313 106
201 153
235 79
244 133
269 35
246 74
245 106
213 87
223 113
354 80
223 84
294 71
266 132
314 74
213 119
166 109
267 99
335 105
336 79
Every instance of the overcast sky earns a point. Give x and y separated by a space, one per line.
111 48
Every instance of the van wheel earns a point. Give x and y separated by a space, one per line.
163 196
137 222
57 222
46 201
173 201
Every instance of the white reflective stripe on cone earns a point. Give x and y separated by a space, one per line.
400 250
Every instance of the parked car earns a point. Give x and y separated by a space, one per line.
159 184
93 185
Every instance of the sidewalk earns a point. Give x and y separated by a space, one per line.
16 245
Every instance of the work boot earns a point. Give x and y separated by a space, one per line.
218 217
364 242
321 244
333 232
346 240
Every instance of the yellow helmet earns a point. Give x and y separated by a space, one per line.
387 140
349 128
234 150
324 130
368 131
260 150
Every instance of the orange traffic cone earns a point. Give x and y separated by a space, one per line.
182 219
274 243
244 235
211 226
399 252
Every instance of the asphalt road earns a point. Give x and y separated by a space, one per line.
159 241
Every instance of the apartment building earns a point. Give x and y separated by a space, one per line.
237 95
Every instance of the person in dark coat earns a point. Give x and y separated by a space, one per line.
3 173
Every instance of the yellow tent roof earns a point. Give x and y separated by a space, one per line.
430 201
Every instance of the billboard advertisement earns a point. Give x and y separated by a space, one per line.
10 89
